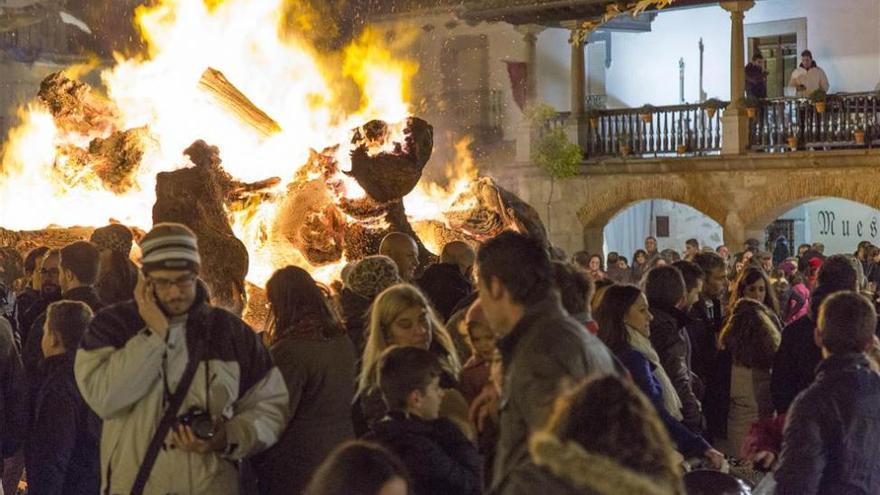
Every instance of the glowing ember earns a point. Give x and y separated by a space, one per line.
281 76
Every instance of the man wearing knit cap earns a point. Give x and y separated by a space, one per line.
133 358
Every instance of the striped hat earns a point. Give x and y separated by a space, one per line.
170 246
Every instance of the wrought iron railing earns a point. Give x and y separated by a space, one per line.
847 120
654 131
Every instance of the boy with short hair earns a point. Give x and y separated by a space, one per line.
439 457
61 456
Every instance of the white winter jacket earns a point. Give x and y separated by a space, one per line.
126 373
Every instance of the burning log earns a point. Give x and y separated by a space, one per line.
487 209
391 175
195 197
215 84
25 240
75 107
311 223
110 163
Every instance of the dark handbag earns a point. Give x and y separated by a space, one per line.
169 419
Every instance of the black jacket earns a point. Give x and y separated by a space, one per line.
28 309
354 309
794 366
672 343
832 433
445 287
13 394
318 373
23 302
62 456
703 330
439 458
31 349
545 348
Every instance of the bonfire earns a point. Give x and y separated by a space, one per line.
242 133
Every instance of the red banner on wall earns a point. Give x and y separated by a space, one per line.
519 75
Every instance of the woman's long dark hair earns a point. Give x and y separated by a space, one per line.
294 296
609 416
609 316
356 468
117 280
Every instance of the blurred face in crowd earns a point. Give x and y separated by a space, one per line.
411 328
639 317
690 250
715 280
756 290
640 259
50 273
482 340
767 264
724 252
650 245
621 264
747 256
405 253
802 250
595 264
175 290
693 295
426 403
807 61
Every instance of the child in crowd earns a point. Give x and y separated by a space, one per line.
440 459
62 456
475 374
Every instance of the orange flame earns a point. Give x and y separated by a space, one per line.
282 75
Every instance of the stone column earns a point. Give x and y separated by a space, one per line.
735 122
524 136
530 34
578 76
577 128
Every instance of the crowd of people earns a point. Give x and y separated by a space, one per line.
502 370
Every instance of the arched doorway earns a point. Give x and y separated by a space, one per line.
671 222
839 224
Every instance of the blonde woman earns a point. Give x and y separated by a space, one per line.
401 315
749 341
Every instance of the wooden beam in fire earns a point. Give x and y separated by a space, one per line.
218 87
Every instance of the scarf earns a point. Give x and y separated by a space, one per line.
670 397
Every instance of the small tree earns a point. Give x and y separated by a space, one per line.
553 152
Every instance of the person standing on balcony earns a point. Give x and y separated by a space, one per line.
808 77
756 77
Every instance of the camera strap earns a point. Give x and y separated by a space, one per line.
169 418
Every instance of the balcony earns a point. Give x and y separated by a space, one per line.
777 125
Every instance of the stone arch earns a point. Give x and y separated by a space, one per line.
773 201
605 199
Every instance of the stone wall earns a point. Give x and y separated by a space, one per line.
742 193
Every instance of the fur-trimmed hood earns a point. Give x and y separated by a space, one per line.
589 471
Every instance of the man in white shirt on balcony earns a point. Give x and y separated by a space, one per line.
808 77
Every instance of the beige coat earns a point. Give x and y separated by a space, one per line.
812 79
750 401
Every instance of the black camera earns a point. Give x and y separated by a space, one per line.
200 422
